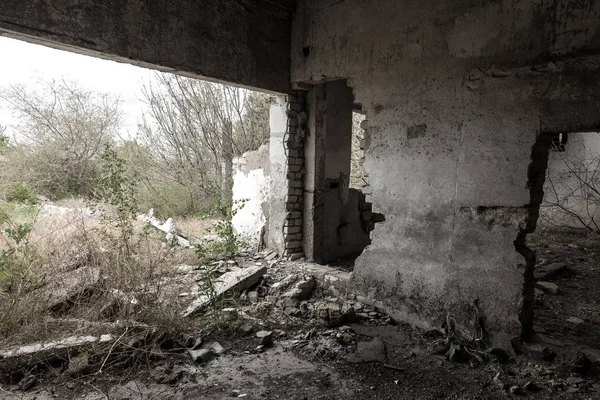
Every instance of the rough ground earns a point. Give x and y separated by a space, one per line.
319 353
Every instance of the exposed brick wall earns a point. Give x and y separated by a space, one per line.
294 146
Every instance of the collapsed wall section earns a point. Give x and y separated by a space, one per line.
251 194
455 100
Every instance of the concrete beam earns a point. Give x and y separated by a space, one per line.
244 42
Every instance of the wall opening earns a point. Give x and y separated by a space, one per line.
560 237
339 218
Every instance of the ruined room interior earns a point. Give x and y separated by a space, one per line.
466 105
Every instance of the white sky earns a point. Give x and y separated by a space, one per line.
22 62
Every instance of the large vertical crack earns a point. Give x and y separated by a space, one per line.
536 175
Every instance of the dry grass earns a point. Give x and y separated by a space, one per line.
193 226
134 274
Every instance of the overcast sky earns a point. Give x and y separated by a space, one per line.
22 62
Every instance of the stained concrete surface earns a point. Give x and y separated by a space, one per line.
454 101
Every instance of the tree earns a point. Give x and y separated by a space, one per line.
253 130
3 139
195 128
572 188
62 129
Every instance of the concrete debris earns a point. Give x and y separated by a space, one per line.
207 353
167 227
330 314
271 256
246 329
301 290
550 271
547 287
576 323
266 338
253 296
63 290
280 286
42 352
373 351
349 313
574 380
193 343
239 280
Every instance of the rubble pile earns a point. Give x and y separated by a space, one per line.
280 308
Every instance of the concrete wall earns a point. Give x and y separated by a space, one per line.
251 195
246 43
568 201
455 95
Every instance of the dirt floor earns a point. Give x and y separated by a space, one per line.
321 351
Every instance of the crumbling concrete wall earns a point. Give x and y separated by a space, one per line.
572 179
288 120
251 195
238 42
456 95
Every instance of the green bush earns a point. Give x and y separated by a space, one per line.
228 242
22 194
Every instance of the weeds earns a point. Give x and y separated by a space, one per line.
227 243
22 194
19 262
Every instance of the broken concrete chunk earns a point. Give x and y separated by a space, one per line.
246 329
202 355
349 313
576 323
42 352
301 290
330 314
253 297
61 292
207 353
266 338
547 287
550 271
235 280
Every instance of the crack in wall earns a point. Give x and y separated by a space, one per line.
536 176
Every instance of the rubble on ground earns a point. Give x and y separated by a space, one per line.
62 290
296 309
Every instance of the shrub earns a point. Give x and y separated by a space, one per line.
22 194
